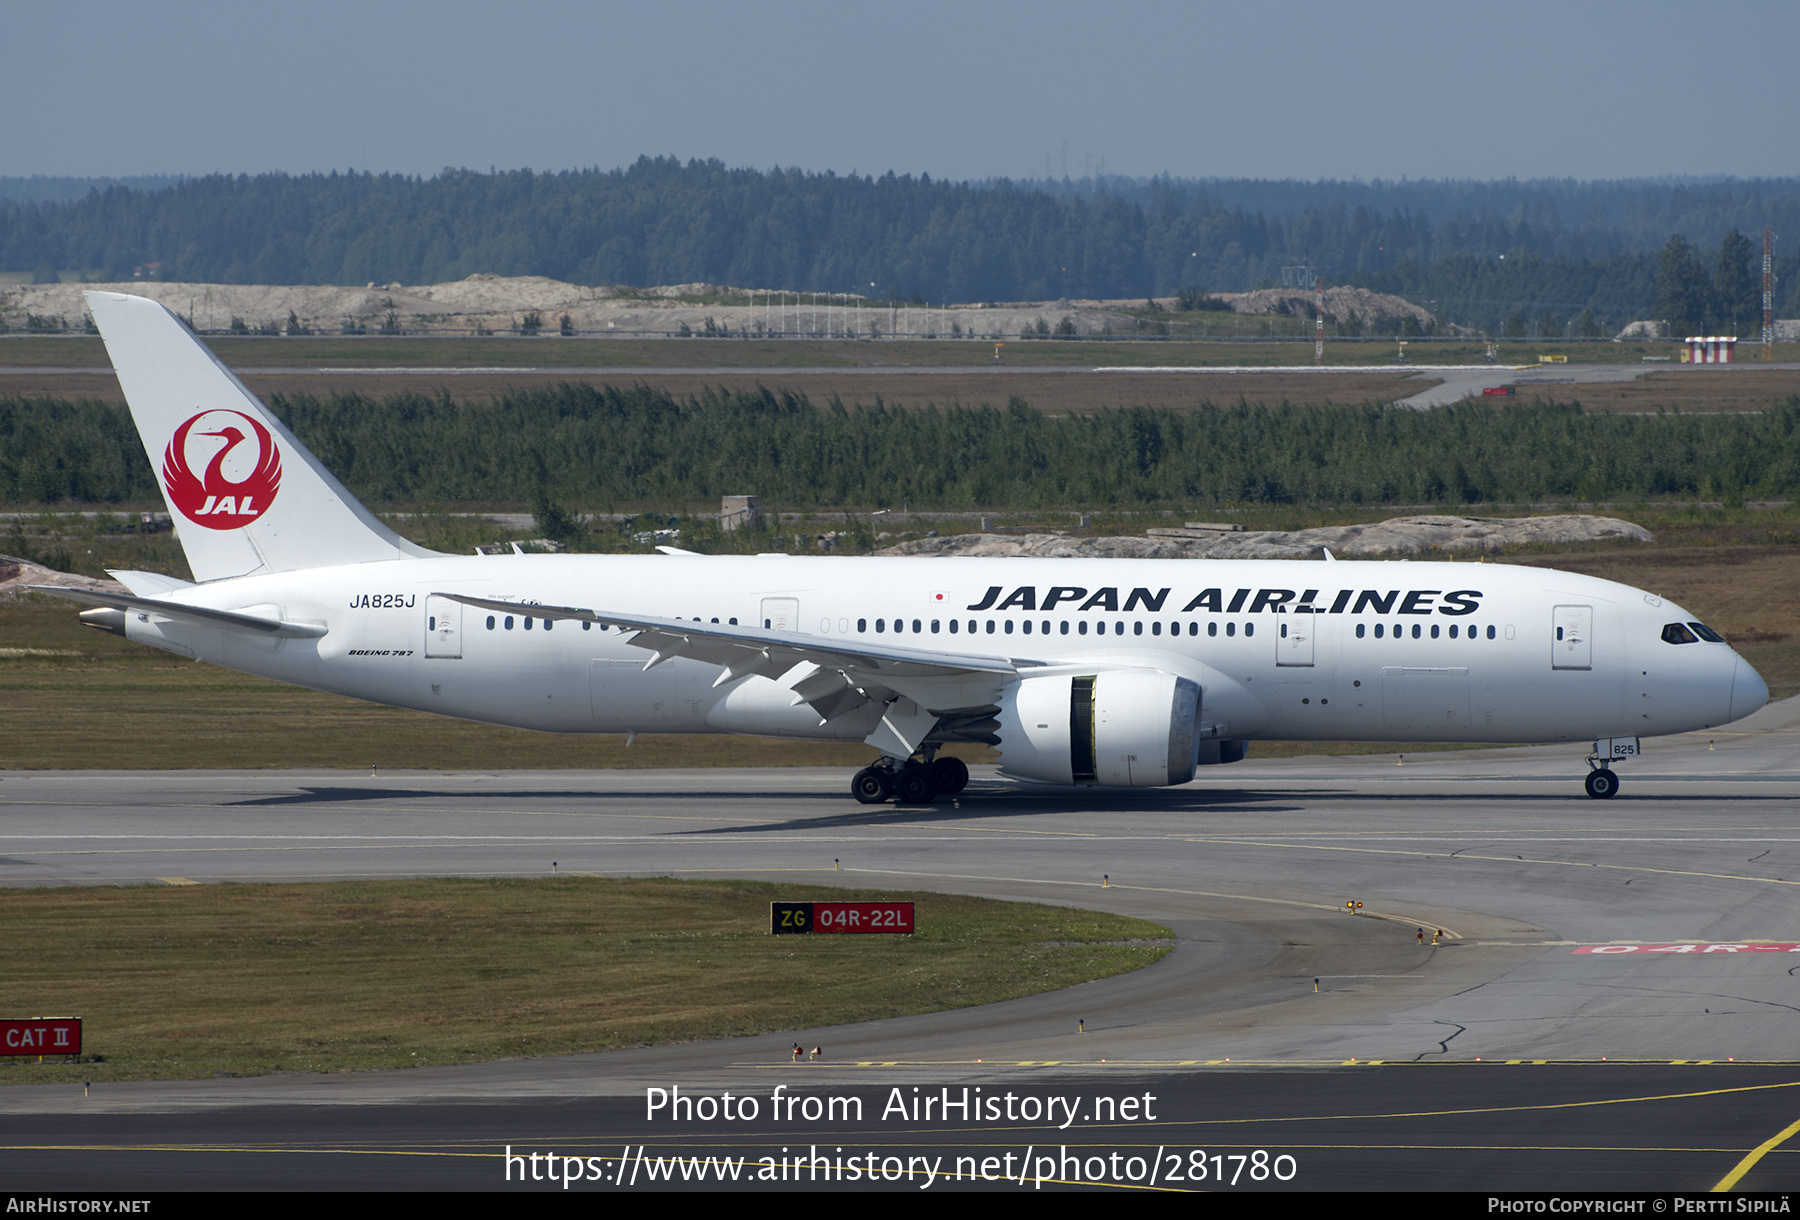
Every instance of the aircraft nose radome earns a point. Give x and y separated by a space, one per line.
1748 691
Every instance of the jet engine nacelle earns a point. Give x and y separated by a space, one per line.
1130 728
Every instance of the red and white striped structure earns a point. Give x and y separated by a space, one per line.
1710 349
1768 294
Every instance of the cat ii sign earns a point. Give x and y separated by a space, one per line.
41 1036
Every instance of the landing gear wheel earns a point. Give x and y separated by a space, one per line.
1602 784
871 787
916 786
950 774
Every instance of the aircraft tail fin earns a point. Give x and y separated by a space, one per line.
244 494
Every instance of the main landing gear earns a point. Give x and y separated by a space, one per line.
918 781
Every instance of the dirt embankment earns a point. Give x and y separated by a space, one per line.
1398 536
502 303
1342 304
18 575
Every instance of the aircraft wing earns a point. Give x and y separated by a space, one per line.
919 686
202 615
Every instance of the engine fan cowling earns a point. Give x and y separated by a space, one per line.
1133 728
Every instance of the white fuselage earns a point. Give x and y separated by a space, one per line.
1281 649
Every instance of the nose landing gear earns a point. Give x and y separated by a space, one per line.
1602 784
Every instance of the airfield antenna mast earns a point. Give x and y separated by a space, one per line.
1768 335
1319 325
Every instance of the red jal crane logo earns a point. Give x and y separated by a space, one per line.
215 499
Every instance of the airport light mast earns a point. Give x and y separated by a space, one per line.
1319 325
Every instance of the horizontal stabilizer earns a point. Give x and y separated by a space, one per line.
203 616
148 584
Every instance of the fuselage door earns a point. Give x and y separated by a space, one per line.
781 613
1571 644
443 627
1294 640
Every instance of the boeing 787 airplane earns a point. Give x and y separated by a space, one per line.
1117 672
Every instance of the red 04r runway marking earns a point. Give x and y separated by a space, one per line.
1689 948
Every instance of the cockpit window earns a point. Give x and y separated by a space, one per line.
1707 633
1675 633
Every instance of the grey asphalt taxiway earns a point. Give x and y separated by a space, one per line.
1449 383
1520 948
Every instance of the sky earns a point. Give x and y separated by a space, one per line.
966 89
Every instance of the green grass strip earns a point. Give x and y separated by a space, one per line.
187 981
